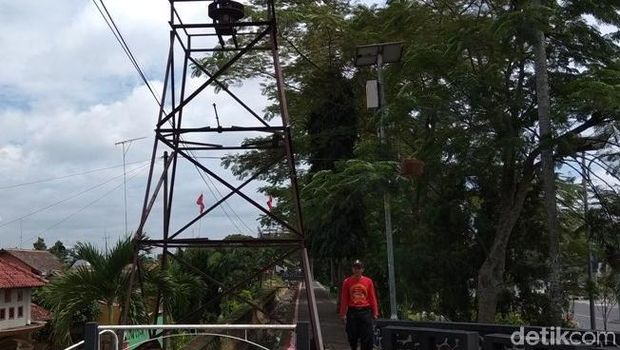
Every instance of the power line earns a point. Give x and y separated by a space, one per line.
125 150
120 39
224 203
64 200
65 176
137 172
229 207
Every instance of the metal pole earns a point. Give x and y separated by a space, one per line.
164 258
91 336
125 150
314 311
302 340
386 197
288 146
125 185
584 179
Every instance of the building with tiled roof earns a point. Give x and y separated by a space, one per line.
18 316
39 314
16 285
40 262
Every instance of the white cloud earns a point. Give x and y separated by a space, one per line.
67 94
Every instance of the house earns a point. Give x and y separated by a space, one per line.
39 262
16 308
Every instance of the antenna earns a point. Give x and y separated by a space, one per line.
217 117
125 150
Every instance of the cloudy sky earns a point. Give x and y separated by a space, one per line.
68 93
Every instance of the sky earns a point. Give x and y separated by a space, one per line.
68 94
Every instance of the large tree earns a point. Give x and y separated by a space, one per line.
470 76
464 99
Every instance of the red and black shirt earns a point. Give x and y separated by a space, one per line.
358 292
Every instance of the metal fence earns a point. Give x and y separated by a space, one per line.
93 332
414 335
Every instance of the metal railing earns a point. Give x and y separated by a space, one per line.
406 335
93 331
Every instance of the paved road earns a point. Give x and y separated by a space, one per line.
582 316
334 336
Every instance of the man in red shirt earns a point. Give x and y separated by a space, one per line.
358 307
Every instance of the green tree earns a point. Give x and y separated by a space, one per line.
102 283
464 100
477 93
59 250
39 244
604 221
547 166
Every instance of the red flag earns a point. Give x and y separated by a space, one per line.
270 203
200 203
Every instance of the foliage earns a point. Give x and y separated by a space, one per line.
463 99
39 244
425 316
59 250
604 221
607 291
103 283
510 318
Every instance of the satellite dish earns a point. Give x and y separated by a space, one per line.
81 264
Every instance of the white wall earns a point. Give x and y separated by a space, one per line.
14 304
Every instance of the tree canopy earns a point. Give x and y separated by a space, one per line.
467 99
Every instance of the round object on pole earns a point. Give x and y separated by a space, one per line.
226 11
412 167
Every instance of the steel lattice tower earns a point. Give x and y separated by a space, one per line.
180 143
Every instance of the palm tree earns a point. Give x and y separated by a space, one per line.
78 296
104 281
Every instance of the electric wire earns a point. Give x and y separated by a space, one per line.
225 203
64 200
137 172
120 39
305 57
65 176
233 211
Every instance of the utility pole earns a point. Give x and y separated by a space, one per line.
379 54
584 185
125 150
386 196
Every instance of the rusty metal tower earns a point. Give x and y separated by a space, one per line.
228 33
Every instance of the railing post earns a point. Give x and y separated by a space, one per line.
91 336
302 336
387 338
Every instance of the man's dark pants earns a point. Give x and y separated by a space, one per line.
359 327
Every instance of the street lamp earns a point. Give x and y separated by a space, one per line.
370 55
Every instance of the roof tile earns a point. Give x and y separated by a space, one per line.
38 313
40 260
13 276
